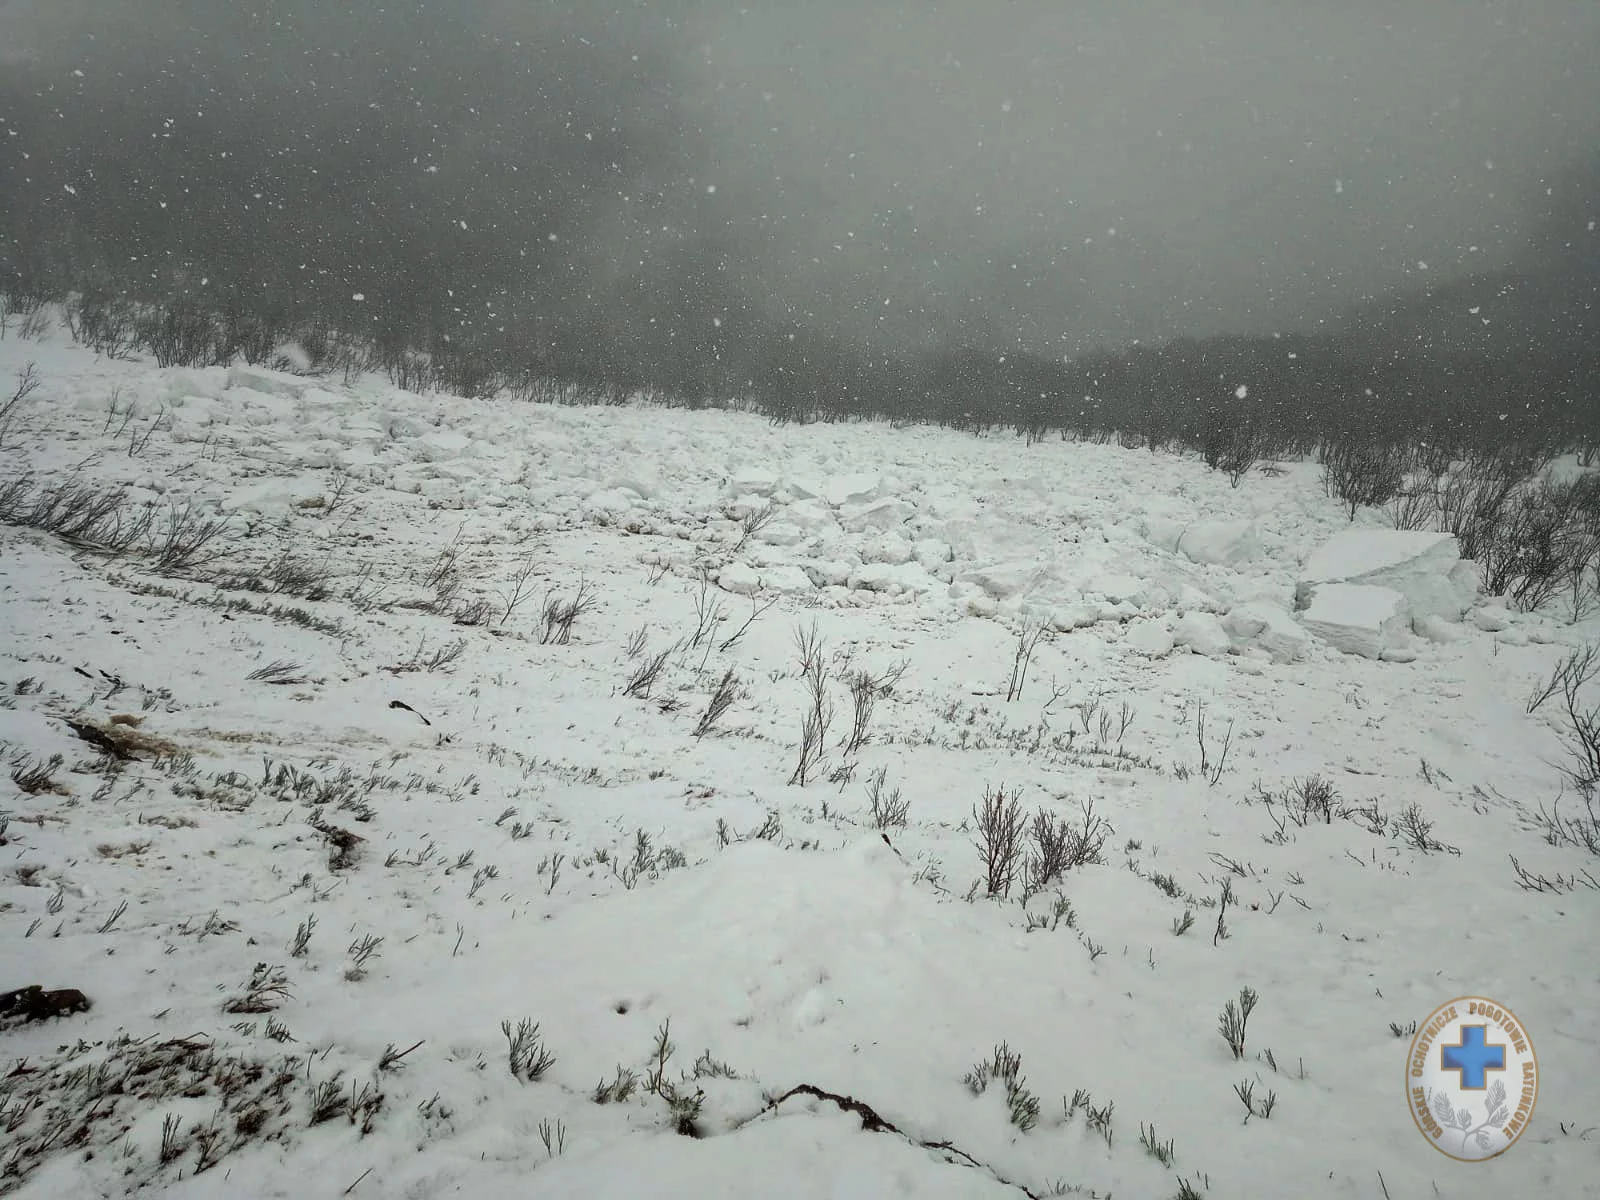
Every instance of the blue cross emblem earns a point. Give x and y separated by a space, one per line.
1473 1056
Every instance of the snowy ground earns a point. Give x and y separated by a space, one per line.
536 844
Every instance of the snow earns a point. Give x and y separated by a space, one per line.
1223 543
1422 567
775 927
1358 618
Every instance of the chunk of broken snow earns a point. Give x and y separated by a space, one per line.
1266 627
1436 628
1002 580
1118 589
1360 618
781 533
837 491
1151 638
1491 618
277 496
612 501
441 445
1422 567
881 514
1202 633
752 481
1163 532
931 553
891 577
1220 543
829 573
271 383
852 489
888 548
399 425
742 579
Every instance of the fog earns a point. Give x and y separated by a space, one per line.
1046 174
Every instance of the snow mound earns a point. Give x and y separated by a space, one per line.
1360 618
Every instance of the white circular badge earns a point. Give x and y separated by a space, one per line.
1471 1078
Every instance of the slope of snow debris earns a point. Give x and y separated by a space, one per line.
324 826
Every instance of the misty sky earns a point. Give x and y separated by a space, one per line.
1044 172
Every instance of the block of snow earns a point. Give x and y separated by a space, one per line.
1153 639
1117 588
888 548
877 577
613 501
1202 632
781 533
1001 580
931 553
1163 532
1220 543
882 514
1067 617
1491 618
828 573
400 425
1437 629
441 445
272 383
1422 567
851 489
743 579
1359 618
1266 627
753 481
809 515
276 496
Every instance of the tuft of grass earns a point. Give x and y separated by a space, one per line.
1022 1106
526 1054
1235 1018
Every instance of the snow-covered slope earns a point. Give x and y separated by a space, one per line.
408 822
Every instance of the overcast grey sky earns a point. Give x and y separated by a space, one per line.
1054 171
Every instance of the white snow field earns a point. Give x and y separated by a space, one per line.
314 829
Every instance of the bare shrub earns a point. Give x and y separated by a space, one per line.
186 539
1580 737
90 517
819 709
1470 497
1581 830
863 695
1574 670
644 676
1029 631
1234 447
1057 846
104 324
721 701
1359 473
999 824
1213 758
181 334
1542 541
888 809
27 384
751 523
559 616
